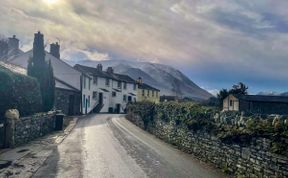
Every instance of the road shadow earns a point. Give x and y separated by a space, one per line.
50 166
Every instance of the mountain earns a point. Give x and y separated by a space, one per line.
269 93
169 80
273 93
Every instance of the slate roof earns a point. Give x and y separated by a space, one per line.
20 70
104 74
14 68
63 85
263 98
125 78
61 69
146 87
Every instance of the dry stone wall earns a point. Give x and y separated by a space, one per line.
253 160
29 128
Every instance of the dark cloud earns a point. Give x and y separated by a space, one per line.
215 42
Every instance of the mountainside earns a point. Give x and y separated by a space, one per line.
273 93
169 80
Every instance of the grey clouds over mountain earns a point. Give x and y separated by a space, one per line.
215 43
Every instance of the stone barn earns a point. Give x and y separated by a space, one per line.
258 104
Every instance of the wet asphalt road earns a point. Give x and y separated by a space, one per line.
110 146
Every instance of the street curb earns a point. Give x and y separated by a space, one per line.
67 130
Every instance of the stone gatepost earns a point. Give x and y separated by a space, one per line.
11 116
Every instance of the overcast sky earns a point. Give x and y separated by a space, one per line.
216 43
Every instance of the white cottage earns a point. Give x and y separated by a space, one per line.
110 91
67 79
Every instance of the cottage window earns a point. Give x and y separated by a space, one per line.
119 85
107 82
143 92
124 98
95 80
231 103
95 95
113 94
125 86
148 93
152 93
129 99
89 83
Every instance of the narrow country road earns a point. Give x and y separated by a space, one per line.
110 146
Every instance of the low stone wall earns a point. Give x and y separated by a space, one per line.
253 160
29 128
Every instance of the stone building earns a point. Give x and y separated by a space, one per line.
259 104
9 48
147 92
106 91
67 79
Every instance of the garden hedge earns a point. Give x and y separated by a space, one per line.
192 115
19 92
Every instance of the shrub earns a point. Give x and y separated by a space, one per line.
19 92
145 110
193 116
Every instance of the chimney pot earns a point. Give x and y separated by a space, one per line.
99 67
13 44
110 70
55 50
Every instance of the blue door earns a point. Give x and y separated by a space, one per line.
86 106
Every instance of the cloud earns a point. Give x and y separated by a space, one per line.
77 55
242 36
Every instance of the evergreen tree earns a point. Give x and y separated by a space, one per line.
43 72
239 88
51 86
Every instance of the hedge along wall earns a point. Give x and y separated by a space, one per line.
19 92
193 129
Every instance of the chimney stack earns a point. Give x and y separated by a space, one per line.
110 70
55 50
99 67
38 47
13 45
139 81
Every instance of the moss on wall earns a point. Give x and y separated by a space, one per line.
251 147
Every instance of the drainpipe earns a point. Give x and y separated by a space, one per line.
81 102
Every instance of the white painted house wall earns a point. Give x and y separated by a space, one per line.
87 104
63 72
118 98
108 100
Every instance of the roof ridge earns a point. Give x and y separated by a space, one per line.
115 76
